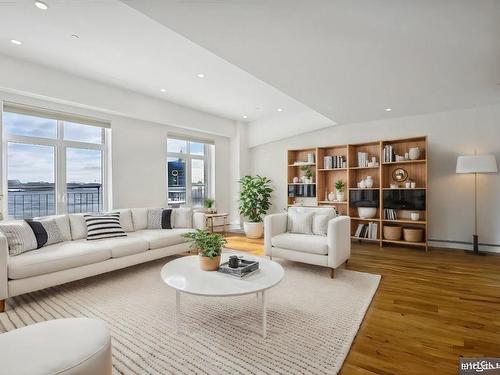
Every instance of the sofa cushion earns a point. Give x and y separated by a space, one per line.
182 217
124 246
305 243
126 219
161 237
300 222
57 257
62 222
139 218
78 226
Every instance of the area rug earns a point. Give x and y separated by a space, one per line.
312 321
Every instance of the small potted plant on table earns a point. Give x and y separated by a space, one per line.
208 205
209 247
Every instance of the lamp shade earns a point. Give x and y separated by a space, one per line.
477 164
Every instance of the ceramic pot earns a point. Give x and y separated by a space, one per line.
362 184
367 212
414 153
253 230
331 196
340 196
296 180
208 264
415 216
369 182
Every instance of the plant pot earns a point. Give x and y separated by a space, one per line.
340 196
367 212
413 234
253 230
392 232
209 264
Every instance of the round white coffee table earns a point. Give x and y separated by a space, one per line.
184 275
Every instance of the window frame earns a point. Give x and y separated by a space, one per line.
60 146
188 157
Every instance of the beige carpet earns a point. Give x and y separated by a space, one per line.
312 321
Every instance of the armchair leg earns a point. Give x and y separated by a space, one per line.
2 305
270 257
332 273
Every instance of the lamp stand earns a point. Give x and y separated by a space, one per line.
475 237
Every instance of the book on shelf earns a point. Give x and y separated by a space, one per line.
368 231
390 214
334 162
388 154
363 159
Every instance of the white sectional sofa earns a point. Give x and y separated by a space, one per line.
77 258
331 249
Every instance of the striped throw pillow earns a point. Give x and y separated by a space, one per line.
101 226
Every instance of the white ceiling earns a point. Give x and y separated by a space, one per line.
351 59
120 46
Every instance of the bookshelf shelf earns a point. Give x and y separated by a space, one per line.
301 183
301 165
355 157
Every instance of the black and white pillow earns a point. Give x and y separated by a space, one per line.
159 218
47 232
101 226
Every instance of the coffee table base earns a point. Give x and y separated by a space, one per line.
263 306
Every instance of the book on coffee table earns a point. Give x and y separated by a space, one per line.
245 268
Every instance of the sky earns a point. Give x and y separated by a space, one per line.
34 163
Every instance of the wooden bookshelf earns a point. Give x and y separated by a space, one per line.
324 181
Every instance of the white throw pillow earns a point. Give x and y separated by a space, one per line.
78 226
300 222
140 218
154 218
20 236
126 219
320 224
182 217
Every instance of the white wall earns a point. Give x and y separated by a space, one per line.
450 195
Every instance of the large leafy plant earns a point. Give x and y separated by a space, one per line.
208 244
255 197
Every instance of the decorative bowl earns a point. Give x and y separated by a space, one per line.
367 212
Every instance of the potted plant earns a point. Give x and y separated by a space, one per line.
208 205
340 187
307 174
255 201
209 247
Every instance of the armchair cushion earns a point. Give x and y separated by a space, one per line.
320 224
305 243
300 222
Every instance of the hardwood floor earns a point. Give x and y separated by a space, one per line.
430 309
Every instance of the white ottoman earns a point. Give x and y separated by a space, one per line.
63 346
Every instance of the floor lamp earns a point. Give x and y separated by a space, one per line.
476 164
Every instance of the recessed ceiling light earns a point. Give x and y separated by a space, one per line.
280 109
201 75
388 109
245 116
163 90
41 5
16 42
75 36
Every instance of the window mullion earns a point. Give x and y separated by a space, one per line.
60 169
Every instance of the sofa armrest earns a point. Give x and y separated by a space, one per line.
273 224
199 220
339 240
4 257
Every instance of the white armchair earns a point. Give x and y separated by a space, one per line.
331 250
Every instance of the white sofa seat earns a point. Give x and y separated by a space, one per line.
56 257
124 246
78 346
161 238
301 242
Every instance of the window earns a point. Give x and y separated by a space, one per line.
55 164
188 171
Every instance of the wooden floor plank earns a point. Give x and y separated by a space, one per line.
430 309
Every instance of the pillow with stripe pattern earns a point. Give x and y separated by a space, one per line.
101 226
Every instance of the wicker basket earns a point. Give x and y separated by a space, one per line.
413 234
392 232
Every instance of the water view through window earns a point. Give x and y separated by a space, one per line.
36 186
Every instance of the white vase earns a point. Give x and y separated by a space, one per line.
253 230
331 196
369 182
295 180
362 184
414 153
340 196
